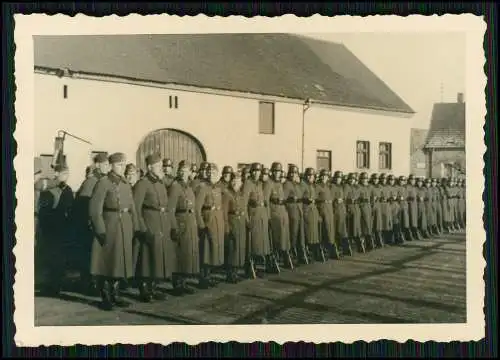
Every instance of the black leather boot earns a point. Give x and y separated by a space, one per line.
105 290
115 296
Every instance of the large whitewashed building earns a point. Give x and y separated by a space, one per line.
227 98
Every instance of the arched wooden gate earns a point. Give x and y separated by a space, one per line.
170 143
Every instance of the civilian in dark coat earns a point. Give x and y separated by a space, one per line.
82 223
114 221
155 252
55 220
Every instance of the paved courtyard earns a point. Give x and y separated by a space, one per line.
418 282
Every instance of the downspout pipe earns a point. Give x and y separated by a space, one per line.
307 104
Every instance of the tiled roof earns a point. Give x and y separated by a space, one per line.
271 64
447 126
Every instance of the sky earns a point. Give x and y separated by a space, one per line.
421 68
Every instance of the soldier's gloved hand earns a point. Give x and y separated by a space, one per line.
101 238
174 235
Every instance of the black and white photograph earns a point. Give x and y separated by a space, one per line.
284 175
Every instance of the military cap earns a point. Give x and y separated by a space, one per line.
117 157
235 175
434 180
203 166
324 172
363 175
265 171
154 159
101 157
411 177
373 176
293 169
420 179
427 181
130 169
212 167
37 165
382 176
402 178
256 167
167 163
351 176
61 167
390 177
338 174
227 170
276 166
309 171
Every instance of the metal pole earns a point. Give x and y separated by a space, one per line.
305 107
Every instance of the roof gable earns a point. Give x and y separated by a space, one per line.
447 126
271 64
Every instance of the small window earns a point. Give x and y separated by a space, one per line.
324 160
363 154
173 102
266 118
65 91
385 156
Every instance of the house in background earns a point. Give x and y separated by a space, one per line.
418 158
227 98
445 144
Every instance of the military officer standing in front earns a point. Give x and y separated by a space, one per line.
114 221
235 228
82 223
156 252
278 216
340 213
259 243
210 220
181 202
292 192
325 208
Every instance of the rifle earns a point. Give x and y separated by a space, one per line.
273 254
320 231
250 260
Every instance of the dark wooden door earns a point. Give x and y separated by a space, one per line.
172 144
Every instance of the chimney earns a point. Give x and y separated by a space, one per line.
460 98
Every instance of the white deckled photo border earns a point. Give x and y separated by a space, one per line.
26 26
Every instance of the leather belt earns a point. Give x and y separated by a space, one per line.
121 211
256 204
184 211
364 201
411 198
211 208
152 208
277 202
308 201
237 213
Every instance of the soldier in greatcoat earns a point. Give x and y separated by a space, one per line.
325 208
429 207
455 213
259 243
155 253
227 175
353 211
395 206
131 174
292 193
436 206
421 208
366 212
235 227
404 219
283 177
461 204
311 215
375 195
340 213
278 216
168 171
56 223
194 172
210 220
386 210
411 192
181 202
114 221
83 225
264 176
245 174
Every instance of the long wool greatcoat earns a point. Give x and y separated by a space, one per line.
325 209
235 226
311 214
461 204
365 208
375 195
353 210
386 208
339 211
259 218
429 207
210 220
436 205
394 204
292 193
82 223
402 199
422 208
114 218
445 203
278 216
455 203
181 202
155 252
411 193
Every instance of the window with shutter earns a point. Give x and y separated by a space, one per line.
363 154
385 156
324 160
266 118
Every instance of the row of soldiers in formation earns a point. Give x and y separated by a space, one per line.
157 226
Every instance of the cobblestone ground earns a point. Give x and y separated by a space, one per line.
418 282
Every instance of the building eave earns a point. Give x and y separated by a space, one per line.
208 90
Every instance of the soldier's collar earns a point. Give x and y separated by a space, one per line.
115 178
152 177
